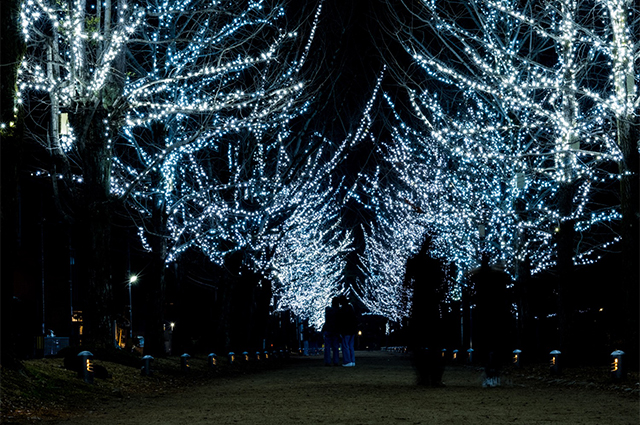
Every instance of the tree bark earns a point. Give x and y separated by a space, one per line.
11 159
525 336
93 219
154 283
628 139
565 271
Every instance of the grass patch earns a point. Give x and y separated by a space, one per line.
46 389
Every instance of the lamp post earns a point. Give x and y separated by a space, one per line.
132 279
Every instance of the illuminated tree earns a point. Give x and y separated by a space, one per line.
389 242
134 93
229 192
308 260
528 132
71 72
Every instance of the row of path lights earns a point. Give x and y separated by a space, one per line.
555 364
232 359
87 374
397 349
246 357
213 359
617 370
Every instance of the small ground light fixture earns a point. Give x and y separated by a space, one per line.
554 363
516 357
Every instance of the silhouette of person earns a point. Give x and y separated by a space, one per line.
491 320
331 334
425 329
348 325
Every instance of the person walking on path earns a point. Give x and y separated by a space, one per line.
492 321
331 334
424 275
348 323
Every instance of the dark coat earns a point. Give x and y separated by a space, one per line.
348 321
330 320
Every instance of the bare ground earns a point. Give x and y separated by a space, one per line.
379 390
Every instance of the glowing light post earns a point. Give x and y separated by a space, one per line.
132 279
470 355
184 363
245 356
617 372
86 366
146 365
516 357
554 362
213 360
231 357
455 356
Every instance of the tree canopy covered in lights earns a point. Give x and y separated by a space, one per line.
529 142
308 259
513 122
210 136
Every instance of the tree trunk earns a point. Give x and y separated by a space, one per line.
565 272
10 247
526 324
11 158
155 282
94 234
628 139
93 219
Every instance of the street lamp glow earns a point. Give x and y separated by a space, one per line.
132 279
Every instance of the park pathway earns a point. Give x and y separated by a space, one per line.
379 390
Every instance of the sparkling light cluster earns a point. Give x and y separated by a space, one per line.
309 259
195 102
202 94
213 142
71 51
532 128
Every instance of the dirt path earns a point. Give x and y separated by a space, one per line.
379 390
